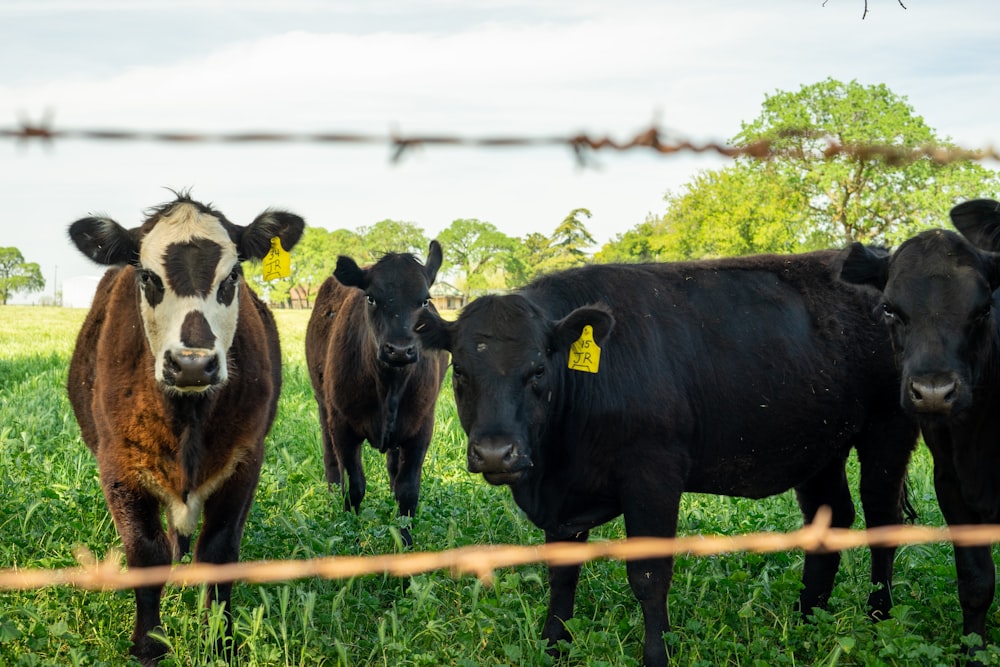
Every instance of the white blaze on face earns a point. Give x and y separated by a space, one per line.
190 277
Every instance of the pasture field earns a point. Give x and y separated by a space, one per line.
726 610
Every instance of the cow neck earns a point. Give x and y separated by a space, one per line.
188 414
973 452
391 383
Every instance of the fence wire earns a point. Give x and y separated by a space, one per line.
581 144
482 560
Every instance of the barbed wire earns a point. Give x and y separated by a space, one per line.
483 560
581 144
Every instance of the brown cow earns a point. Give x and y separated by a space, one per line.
369 376
175 382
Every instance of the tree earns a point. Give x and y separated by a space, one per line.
16 275
474 250
759 214
802 198
568 243
853 196
391 236
523 263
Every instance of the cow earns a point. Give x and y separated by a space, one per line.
939 304
174 381
742 377
369 376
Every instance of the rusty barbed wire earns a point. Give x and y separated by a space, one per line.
483 560
652 138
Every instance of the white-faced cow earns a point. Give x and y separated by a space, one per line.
175 382
939 301
743 377
369 375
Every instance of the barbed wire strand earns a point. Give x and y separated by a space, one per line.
483 560
581 144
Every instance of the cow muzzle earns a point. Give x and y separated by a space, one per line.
190 370
933 394
398 355
501 460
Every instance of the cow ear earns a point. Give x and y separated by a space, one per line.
433 262
434 332
979 221
567 330
349 273
864 265
254 241
105 241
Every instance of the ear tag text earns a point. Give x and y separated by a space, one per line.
584 354
277 262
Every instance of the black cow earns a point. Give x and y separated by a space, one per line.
368 374
939 302
742 377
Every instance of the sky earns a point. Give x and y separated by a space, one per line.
531 68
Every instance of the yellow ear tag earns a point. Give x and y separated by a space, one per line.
584 354
277 262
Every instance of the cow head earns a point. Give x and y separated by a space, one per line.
509 363
186 257
937 299
396 290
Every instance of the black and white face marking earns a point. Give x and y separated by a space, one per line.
189 273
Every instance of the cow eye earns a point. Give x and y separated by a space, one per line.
370 299
234 275
888 313
538 373
149 280
426 303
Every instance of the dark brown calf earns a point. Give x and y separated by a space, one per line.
369 375
175 382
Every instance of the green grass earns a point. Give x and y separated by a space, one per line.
726 610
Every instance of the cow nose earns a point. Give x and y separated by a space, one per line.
398 355
190 368
933 394
496 455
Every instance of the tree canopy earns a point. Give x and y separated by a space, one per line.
802 198
16 275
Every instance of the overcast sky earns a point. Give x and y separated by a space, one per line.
446 67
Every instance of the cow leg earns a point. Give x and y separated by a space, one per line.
883 458
651 503
828 487
405 465
346 446
331 462
562 594
974 565
224 518
137 517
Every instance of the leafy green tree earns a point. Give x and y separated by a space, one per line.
854 196
16 275
761 214
568 243
803 198
391 236
474 250
523 263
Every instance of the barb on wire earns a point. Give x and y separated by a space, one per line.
580 144
482 561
